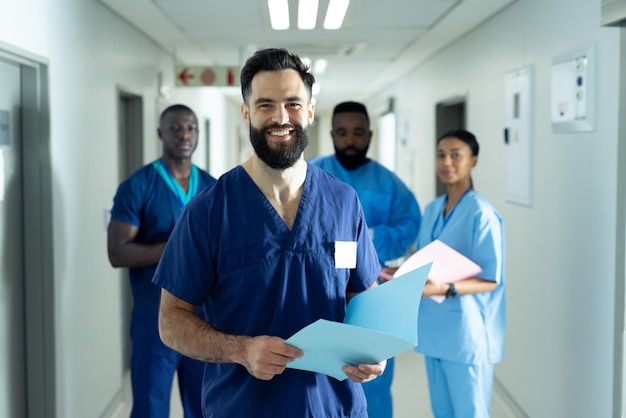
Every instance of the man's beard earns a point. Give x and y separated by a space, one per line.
286 154
351 161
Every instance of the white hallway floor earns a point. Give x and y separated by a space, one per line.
410 392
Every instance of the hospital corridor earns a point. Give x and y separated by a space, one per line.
93 91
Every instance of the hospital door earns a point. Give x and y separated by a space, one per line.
12 323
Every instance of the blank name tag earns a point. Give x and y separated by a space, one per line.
345 254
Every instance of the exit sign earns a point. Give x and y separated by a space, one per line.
199 76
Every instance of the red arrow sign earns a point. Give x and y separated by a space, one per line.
184 76
202 76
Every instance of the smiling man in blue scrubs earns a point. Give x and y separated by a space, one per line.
257 251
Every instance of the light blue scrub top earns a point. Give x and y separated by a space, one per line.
391 210
468 328
232 253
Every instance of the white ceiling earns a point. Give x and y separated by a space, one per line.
379 41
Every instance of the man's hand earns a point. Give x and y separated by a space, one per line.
364 372
265 356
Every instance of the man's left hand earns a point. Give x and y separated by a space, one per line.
364 372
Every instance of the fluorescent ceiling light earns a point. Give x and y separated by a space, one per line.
279 14
335 14
320 66
307 14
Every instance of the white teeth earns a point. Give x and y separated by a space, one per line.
280 133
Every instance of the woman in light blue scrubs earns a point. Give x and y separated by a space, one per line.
463 336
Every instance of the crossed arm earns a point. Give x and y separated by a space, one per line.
125 251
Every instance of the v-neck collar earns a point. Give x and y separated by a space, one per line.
255 195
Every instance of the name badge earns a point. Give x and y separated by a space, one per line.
345 254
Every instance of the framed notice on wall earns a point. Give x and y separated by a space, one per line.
518 135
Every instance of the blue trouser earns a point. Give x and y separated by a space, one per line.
152 372
378 394
459 390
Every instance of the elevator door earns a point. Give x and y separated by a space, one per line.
12 325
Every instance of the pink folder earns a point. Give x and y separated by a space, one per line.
448 264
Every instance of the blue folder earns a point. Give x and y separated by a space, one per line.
380 323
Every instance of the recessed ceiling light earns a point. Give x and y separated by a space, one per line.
307 14
279 14
320 66
335 14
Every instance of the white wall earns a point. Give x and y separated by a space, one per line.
90 52
560 252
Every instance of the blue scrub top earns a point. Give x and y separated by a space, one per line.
146 201
232 253
391 209
468 328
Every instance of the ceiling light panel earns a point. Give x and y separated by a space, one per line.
307 14
279 14
335 14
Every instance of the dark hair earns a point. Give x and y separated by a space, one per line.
175 108
351 107
465 136
273 59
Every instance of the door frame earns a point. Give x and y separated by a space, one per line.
449 114
619 343
39 281
130 158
